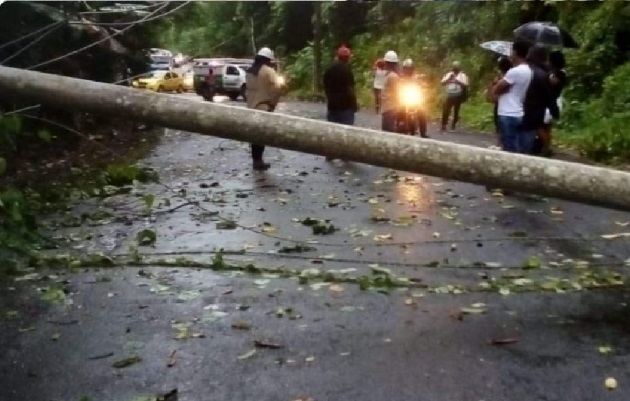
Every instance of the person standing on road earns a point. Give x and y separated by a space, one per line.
503 66
558 79
209 86
540 98
510 93
341 99
379 82
263 90
456 87
389 95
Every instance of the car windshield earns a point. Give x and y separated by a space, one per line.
161 59
156 74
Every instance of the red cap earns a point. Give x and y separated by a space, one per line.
343 51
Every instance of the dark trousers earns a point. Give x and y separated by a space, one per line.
451 103
345 117
377 99
388 121
257 152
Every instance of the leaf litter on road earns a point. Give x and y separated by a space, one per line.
504 341
241 325
267 344
123 363
171 359
246 355
610 383
605 349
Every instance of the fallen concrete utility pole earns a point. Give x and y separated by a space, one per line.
571 181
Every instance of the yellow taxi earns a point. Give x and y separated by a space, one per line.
189 84
160 81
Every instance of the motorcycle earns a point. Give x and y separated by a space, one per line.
412 116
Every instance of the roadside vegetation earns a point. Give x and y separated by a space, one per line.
50 157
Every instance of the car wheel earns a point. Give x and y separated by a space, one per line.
180 89
244 92
160 89
233 96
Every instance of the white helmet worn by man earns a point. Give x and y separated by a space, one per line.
391 57
266 52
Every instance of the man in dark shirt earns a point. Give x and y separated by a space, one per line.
539 96
339 87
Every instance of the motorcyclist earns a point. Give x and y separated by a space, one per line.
409 77
264 89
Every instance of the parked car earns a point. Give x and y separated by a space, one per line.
231 82
189 81
160 81
229 76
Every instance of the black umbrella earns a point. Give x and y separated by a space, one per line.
545 33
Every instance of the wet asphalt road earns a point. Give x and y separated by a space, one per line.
338 342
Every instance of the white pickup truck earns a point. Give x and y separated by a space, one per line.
229 76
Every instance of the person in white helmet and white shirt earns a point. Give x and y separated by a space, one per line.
389 96
456 85
379 82
263 89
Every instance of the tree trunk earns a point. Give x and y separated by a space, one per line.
252 34
317 47
571 181
496 11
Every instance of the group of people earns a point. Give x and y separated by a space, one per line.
528 97
341 99
526 94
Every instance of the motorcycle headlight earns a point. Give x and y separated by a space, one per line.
281 81
410 96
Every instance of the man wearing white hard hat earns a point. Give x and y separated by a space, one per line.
389 96
263 89
455 83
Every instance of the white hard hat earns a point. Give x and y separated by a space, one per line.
407 63
266 52
391 57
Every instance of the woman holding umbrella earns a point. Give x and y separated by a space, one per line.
558 79
549 35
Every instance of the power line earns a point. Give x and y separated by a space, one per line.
124 23
140 8
34 42
117 33
149 17
28 35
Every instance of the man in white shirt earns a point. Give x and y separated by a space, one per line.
380 76
455 83
511 91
